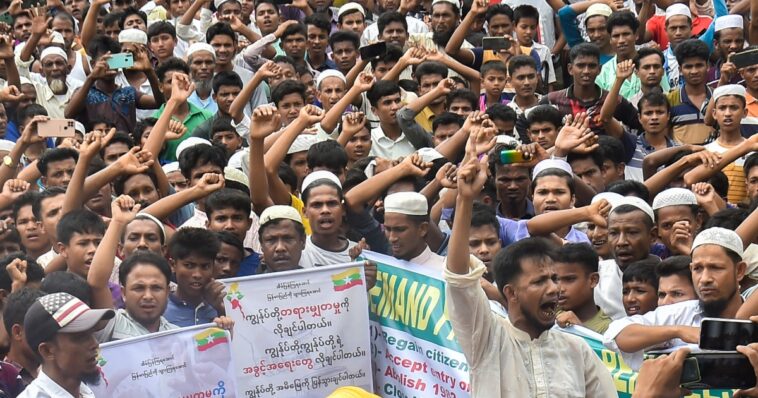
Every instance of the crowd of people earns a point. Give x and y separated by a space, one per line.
584 163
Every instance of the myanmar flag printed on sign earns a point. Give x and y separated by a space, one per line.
210 338
347 279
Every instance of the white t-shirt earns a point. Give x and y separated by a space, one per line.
314 256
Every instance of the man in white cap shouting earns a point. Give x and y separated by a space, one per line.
717 268
52 87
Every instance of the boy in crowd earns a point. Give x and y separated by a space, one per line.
543 123
640 289
494 77
229 210
678 220
576 270
20 355
525 21
688 103
675 280
198 298
483 241
229 256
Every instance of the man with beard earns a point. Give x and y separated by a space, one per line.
61 330
52 87
372 33
729 38
499 349
717 268
201 58
446 16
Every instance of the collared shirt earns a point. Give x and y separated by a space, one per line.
598 323
425 119
749 124
428 258
633 169
386 147
183 314
630 87
528 213
194 118
734 173
208 104
687 313
607 293
123 326
118 107
371 33
506 362
44 387
314 256
687 119
328 64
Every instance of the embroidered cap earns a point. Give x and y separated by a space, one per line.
674 197
723 237
60 313
408 203
280 212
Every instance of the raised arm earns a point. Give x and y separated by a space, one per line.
453 47
753 28
444 88
369 190
268 70
646 12
703 172
123 211
90 148
266 120
181 89
78 101
654 160
28 137
364 83
352 123
748 230
142 64
624 69
89 26
413 56
163 208
545 224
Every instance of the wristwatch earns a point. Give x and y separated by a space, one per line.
8 160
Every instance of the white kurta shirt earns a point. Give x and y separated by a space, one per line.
506 362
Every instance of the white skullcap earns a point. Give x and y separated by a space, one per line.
135 36
235 175
678 9
674 197
598 9
408 203
351 7
327 74
53 50
551 164
218 3
429 154
453 2
302 143
319 175
723 237
57 38
506 140
279 212
6 145
728 21
750 257
636 202
612 198
147 216
729 89
237 159
190 142
170 167
79 127
199 46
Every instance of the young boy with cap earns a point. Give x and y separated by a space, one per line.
677 220
676 324
60 329
351 17
728 109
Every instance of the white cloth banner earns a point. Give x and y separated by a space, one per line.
190 362
300 333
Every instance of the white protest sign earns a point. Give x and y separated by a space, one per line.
300 333
190 362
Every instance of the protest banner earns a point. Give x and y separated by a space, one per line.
412 345
189 362
300 333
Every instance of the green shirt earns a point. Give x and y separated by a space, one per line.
195 117
598 323
630 87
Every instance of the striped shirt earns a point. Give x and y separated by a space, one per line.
633 170
734 173
687 119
